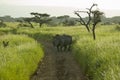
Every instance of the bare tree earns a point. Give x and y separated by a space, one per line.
94 17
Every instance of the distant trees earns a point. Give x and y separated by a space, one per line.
7 18
2 24
37 18
71 22
63 19
41 18
94 17
66 20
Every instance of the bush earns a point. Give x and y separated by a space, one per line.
118 27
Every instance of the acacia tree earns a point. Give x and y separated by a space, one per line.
29 20
23 21
94 17
40 18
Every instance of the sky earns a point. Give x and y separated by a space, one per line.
15 7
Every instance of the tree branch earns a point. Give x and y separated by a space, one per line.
81 19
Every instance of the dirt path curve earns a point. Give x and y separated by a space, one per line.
57 66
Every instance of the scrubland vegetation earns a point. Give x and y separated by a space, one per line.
20 58
99 59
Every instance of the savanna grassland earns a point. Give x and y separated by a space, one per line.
20 58
99 59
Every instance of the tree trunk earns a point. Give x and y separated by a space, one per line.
93 31
31 24
94 36
88 29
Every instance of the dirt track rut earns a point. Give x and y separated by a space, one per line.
57 66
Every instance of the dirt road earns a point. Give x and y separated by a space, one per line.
57 65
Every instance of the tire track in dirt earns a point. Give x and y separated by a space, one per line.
57 66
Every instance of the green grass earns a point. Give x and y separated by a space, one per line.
99 59
20 58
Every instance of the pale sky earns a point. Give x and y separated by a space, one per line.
78 4
104 4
